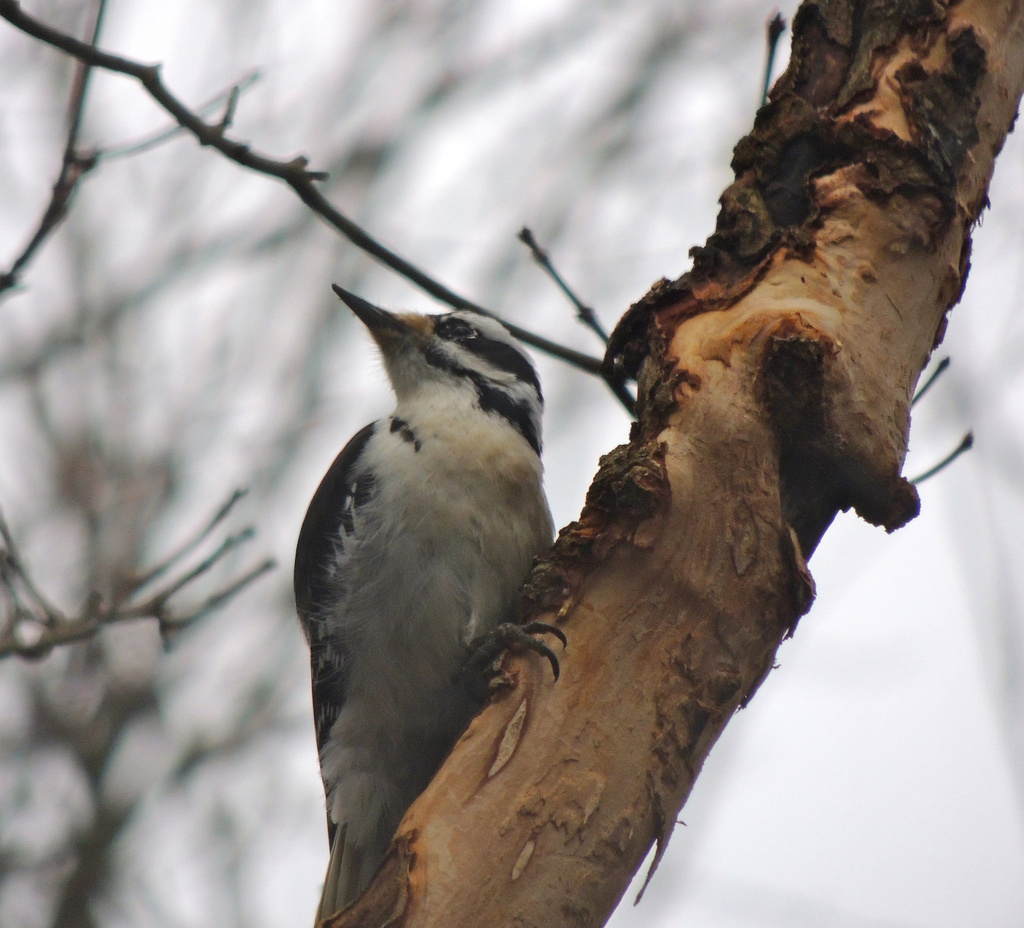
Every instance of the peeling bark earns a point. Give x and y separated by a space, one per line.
774 381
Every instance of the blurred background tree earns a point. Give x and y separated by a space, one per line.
176 339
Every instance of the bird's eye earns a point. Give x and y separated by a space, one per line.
457 330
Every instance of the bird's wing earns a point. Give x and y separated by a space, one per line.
330 520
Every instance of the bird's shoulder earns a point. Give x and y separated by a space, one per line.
346 485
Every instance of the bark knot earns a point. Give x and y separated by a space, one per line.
625 500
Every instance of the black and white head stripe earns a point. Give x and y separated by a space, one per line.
483 351
496 346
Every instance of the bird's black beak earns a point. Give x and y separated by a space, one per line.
394 333
378 321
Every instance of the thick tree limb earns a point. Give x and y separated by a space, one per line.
775 382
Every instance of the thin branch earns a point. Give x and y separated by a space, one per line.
157 604
584 313
926 386
966 443
294 173
13 572
228 118
81 85
139 582
217 600
33 627
156 139
74 166
773 32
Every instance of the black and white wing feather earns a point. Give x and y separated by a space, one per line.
329 526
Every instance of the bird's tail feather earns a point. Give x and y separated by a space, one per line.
344 880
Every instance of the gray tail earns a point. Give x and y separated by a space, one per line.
346 877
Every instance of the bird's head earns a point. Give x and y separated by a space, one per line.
456 356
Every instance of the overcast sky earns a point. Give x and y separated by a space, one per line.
876 779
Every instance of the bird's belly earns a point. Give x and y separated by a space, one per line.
404 706
452 547
414 603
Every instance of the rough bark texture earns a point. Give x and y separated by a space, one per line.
775 381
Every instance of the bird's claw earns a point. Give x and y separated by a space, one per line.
508 635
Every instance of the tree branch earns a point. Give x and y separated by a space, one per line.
773 32
295 173
966 443
226 98
773 391
74 166
584 313
940 369
33 626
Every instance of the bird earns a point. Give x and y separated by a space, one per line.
411 554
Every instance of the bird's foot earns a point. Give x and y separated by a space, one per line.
480 670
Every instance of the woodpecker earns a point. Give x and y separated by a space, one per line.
413 548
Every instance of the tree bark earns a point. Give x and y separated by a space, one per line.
774 381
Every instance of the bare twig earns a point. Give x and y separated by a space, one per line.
773 32
157 603
966 444
294 173
584 313
217 600
81 84
156 139
926 386
145 579
74 166
229 110
33 626
13 574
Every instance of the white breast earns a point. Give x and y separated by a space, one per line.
455 526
